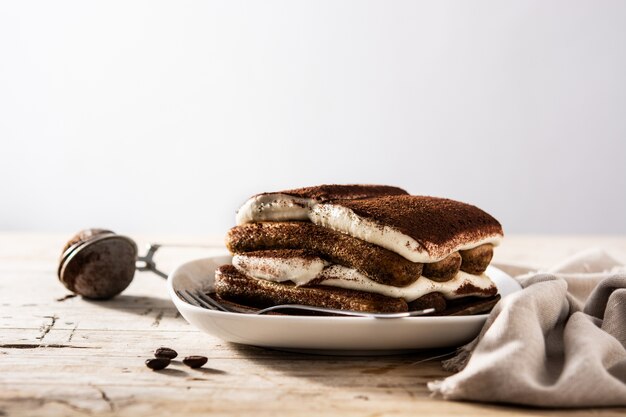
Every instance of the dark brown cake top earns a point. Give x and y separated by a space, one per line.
283 254
330 192
428 220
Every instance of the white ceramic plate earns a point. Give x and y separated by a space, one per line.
319 333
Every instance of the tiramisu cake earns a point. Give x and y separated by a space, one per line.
360 247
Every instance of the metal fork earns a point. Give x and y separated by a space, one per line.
200 299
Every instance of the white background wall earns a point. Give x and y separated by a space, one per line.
162 117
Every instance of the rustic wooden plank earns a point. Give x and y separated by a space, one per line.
218 400
72 357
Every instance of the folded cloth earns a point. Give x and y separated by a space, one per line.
560 342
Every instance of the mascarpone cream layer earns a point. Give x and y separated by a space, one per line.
298 271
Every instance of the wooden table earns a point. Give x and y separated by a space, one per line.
66 356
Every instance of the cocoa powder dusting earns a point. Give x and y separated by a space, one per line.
330 192
438 224
284 254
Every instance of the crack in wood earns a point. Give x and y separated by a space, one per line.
66 297
69 339
105 397
45 329
380 371
42 402
146 312
157 319
39 345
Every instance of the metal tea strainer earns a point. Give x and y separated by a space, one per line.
99 263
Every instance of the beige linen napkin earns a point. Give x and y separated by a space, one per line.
560 342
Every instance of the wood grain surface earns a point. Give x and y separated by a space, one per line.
66 356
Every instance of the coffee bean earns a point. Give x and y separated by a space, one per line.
195 361
157 364
165 352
